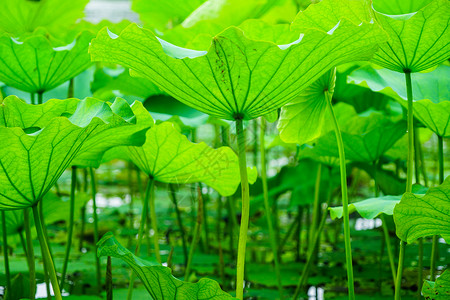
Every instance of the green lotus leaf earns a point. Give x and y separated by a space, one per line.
168 156
35 66
439 289
303 120
418 39
164 14
20 16
417 217
158 280
238 77
41 141
366 137
432 105
370 208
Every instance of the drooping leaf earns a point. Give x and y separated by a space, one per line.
20 16
35 66
302 120
370 208
418 39
429 215
41 141
439 289
244 74
430 91
168 156
158 280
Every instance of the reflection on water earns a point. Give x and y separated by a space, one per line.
41 291
365 224
315 293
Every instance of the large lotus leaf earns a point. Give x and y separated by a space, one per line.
238 77
168 156
164 14
37 149
418 40
158 280
35 66
431 91
366 137
303 119
20 16
439 289
417 217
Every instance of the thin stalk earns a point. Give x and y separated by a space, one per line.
46 253
96 235
70 225
219 240
268 214
232 225
145 202
195 238
315 215
32 100
70 88
154 224
311 254
46 238
40 97
298 235
130 190
245 209
435 243
290 230
205 219
5 253
348 249
109 287
418 160
30 252
385 228
173 195
409 176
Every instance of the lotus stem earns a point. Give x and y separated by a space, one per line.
145 202
409 176
5 253
315 215
96 235
245 209
435 243
109 287
195 238
70 225
46 253
173 195
40 97
268 214
346 217
418 158
30 252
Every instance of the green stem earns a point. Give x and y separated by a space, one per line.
109 287
40 97
219 240
180 221
32 100
290 230
205 219
70 88
30 252
46 253
418 161
145 202
409 176
348 249
245 209
311 253
315 215
154 223
385 228
268 214
96 235
195 238
5 253
70 225
435 243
